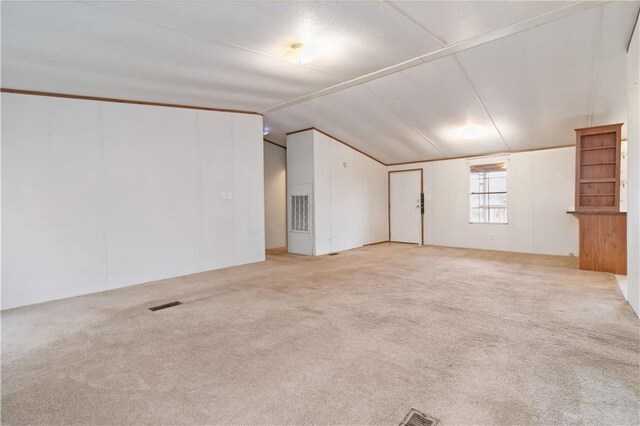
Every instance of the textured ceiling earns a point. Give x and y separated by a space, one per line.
399 82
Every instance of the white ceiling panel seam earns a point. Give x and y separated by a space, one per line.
436 38
452 49
169 27
594 81
481 102
422 135
445 43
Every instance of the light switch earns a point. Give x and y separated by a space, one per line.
230 195
224 195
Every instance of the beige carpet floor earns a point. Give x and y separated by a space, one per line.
467 336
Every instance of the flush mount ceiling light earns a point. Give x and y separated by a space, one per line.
307 51
465 132
472 131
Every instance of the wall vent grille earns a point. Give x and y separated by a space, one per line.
416 418
165 306
300 213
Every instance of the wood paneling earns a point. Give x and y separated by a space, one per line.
603 242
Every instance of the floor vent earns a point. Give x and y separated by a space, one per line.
416 418
333 254
165 306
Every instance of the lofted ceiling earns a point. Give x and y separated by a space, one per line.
398 80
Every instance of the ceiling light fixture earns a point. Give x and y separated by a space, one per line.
305 52
464 132
472 131
266 131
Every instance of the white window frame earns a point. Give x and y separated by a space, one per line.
487 194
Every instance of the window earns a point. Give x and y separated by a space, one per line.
488 198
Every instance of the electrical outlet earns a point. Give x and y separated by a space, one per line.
194 255
491 236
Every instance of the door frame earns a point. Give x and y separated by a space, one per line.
389 200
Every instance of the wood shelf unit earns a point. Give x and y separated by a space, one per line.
603 228
598 164
596 148
598 168
598 180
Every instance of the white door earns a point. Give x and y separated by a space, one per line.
405 212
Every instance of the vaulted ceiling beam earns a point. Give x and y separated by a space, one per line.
565 11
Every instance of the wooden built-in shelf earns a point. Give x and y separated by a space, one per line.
603 241
597 148
603 227
598 168
595 212
598 164
598 180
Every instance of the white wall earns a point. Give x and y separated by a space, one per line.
300 182
349 203
99 195
53 237
540 191
323 199
633 165
275 195
151 192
